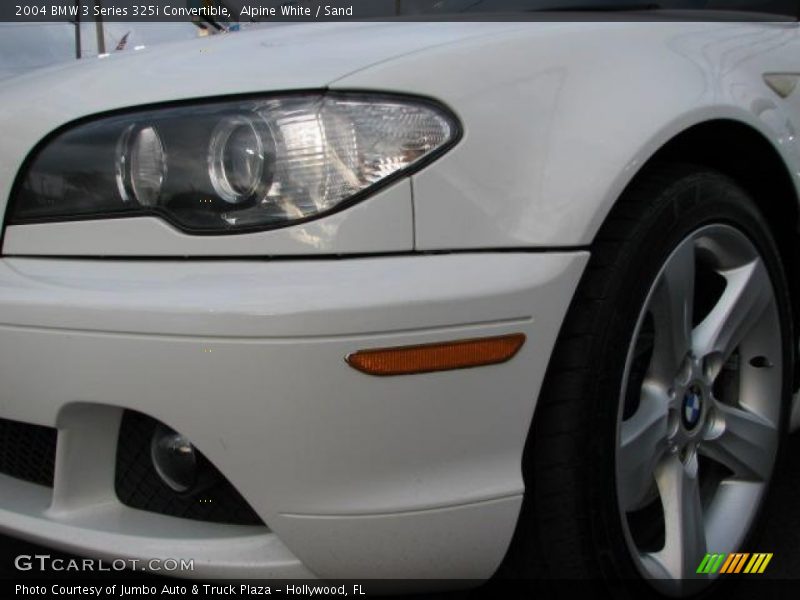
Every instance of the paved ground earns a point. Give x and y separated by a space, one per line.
780 534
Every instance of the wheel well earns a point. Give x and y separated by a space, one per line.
745 155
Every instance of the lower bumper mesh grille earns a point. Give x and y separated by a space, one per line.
28 452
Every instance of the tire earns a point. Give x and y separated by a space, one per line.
603 499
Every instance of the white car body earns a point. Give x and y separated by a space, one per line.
410 477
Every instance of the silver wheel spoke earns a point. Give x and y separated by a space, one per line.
642 443
743 442
747 294
685 536
672 307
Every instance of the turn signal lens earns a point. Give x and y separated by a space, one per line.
461 354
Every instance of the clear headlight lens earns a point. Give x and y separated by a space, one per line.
141 165
232 166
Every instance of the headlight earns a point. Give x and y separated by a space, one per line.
232 166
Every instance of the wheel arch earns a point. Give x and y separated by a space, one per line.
747 156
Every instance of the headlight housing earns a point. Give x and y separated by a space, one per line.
231 166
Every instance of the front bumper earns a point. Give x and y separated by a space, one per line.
355 476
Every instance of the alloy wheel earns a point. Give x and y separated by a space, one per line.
701 407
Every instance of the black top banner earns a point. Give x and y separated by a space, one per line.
225 13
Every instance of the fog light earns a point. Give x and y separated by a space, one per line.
174 458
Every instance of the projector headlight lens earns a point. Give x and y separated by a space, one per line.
240 159
233 166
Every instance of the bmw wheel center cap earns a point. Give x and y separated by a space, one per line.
692 407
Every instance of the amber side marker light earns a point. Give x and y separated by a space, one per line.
442 356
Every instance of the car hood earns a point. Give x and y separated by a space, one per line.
280 57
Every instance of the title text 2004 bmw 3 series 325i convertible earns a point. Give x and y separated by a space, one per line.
404 300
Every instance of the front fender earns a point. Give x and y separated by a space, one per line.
559 117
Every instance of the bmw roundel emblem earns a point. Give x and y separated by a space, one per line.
692 407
